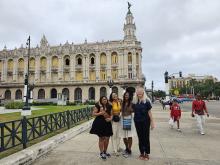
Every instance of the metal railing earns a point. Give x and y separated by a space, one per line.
21 132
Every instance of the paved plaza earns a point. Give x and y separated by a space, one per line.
167 145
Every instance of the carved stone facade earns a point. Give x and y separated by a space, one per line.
79 71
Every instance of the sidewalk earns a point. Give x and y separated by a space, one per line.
167 146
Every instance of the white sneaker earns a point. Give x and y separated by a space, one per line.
202 133
179 130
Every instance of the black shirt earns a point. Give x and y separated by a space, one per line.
141 111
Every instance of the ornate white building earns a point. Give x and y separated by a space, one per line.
78 71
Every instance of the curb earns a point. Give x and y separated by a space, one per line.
29 155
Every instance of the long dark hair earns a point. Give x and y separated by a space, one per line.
129 100
110 97
100 100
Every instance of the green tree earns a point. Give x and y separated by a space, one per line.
159 93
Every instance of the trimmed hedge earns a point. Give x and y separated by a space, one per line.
14 105
43 103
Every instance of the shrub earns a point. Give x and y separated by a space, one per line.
14 105
71 103
89 102
43 103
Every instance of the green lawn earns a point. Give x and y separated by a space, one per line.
45 110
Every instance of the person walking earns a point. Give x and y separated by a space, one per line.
102 126
116 110
127 124
198 110
143 119
175 113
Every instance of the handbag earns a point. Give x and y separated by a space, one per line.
126 122
171 122
116 118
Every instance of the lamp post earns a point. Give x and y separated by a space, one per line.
110 83
26 110
152 90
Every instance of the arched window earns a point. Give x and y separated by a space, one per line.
114 58
115 90
21 64
41 94
78 95
91 93
103 59
7 95
79 61
55 61
65 92
32 63
43 63
10 65
103 91
92 61
67 62
53 93
18 94
129 58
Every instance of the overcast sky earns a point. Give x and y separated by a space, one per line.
176 35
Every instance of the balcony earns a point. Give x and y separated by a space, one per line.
10 71
32 69
20 70
92 66
103 65
54 69
78 67
43 69
66 68
115 65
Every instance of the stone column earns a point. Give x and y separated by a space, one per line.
134 74
85 93
60 68
4 70
37 68
120 65
85 70
72 67
109 73
15 69
48 69
140 64
125 65
97 66
97 93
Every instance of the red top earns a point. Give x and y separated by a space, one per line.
198 106
175 111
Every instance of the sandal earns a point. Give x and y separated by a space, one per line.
141 157
146 157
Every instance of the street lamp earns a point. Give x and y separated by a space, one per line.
110 83
26 110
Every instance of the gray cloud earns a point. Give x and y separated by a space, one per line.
175 35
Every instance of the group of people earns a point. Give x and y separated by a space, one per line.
116 119
198 111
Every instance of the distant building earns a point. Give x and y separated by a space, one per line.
179 82
78 71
